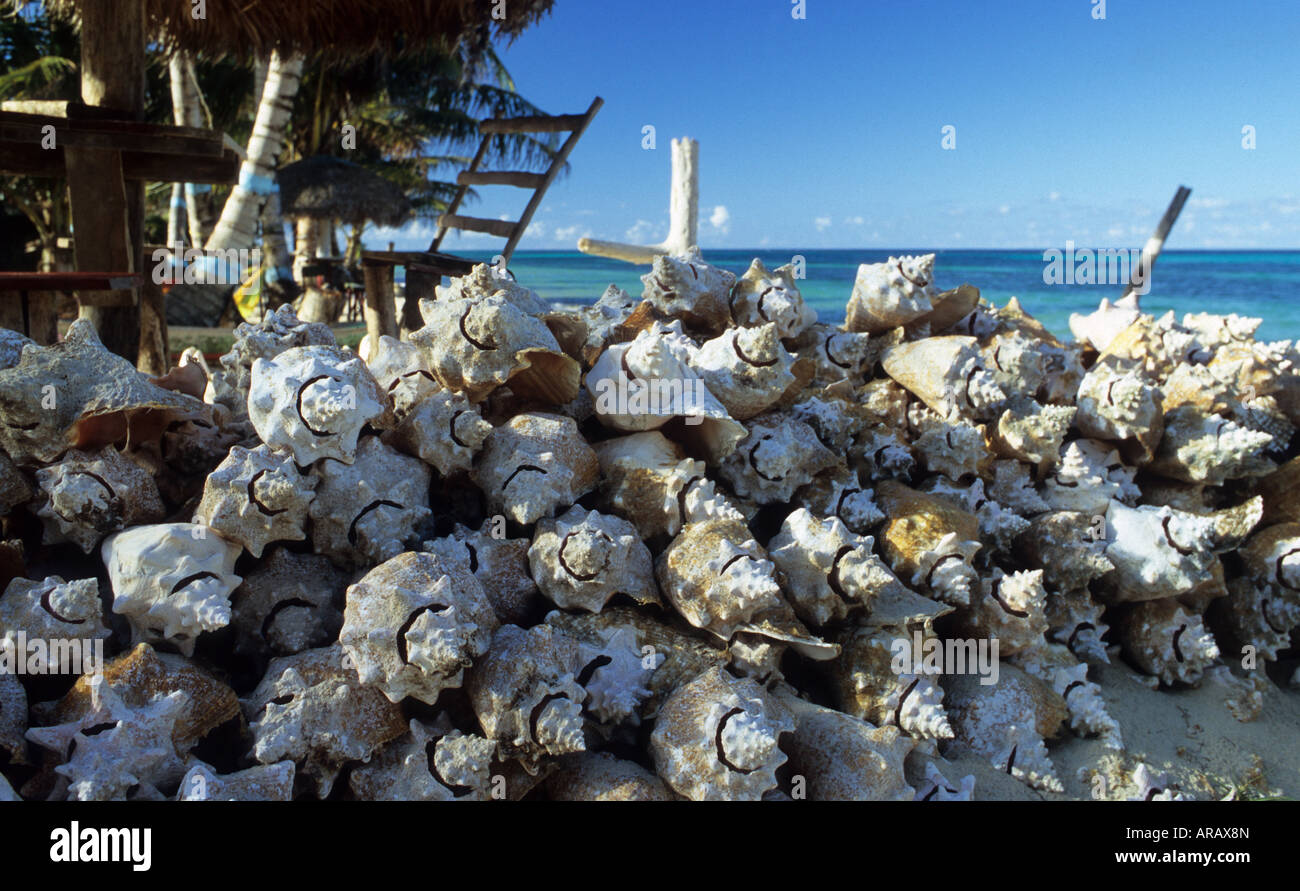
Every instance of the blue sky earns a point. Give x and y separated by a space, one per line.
826 132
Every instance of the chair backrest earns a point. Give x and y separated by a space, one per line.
573 124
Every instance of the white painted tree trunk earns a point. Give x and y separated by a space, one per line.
186 112
316 306
237 228
683 213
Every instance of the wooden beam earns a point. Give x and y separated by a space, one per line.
69 281
501 228
518 178
25 159
549 123
163 139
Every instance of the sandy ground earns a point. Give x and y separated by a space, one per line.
1188 734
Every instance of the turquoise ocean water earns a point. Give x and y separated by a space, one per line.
1263 284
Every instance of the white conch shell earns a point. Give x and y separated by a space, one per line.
1007 722
1117 406
929 542
1208 448
935 786
13 718
828 570
718 577
402 372
264 782
686 287
1166 641
584 558
113 748
842 497
1074 619
648 480
1019 364
413 625
1090 475
444 429
1009 609
1155 786
1214 331
780 454
837 422
842 758
1013 487
257 496
365 512
310 708
87 495
747 369
287 604
947 374
760 297
486 280
1158 552
872 689
52 609
428 764
14 488
896 292
313 401
1057 666
599 776
172 581
278 331
716 739
838 355
1105 324
617 685
499 563
475 345
526 694
950 446
1032 432
1069 546
534 464
644 384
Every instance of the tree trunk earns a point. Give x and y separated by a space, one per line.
315 304
112 75
279 280
192 103
237 227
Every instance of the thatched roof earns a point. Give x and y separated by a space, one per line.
343 27
330 188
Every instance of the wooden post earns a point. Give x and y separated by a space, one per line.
683 213
380 309
421 282
112 76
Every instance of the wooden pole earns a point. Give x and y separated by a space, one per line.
421 282
380 308
112 76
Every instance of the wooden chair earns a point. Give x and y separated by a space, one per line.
425 269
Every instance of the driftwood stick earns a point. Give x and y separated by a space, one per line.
1140 279
683 213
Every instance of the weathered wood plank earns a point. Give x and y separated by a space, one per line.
500 228
550 123
24 159
518 178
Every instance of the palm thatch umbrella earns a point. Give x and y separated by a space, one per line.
329 188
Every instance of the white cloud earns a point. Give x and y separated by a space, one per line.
822 223
853 221
641 232
1207 203
720 219
1053 196
1004 209
570 233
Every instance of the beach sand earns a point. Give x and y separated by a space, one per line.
1189 734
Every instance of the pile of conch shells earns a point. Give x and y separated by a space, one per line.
660 548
